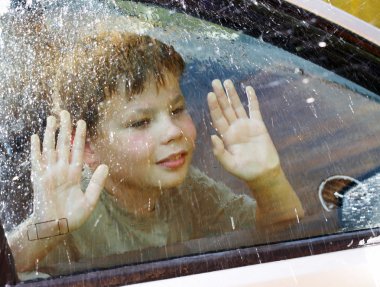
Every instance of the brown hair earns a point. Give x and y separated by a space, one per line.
95 64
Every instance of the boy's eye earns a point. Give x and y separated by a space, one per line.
178 110
139 123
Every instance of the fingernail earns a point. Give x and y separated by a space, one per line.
228 83
211 95
64 114
50 120
104 168
81 124
216 82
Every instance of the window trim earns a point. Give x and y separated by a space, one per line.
189 265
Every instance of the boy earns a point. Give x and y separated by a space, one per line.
139 149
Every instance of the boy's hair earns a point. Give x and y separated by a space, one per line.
90 71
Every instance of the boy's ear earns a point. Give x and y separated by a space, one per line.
89 156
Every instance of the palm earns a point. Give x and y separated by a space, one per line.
244 147
59 197
56 176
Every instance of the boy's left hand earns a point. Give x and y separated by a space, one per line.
244 146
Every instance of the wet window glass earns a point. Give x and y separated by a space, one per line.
168 161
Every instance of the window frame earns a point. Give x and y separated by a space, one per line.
214 261
301 42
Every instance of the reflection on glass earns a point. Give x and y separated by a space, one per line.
321 125
4 6
360 205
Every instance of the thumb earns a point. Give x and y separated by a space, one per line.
96 186
224 156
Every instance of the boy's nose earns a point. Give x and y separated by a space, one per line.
171 132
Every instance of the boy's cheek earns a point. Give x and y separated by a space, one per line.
191 131
131 147
136 146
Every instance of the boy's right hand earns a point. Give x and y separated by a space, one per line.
56 175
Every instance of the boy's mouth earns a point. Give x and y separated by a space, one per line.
173 161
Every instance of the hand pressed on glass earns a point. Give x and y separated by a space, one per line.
245 149
244 146
56 175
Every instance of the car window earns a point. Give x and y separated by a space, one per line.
323 125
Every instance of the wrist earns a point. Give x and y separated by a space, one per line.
270 190
268 179
26 247
47 229
275 197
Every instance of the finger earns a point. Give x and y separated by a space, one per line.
35 153
224 104
219 122
96 186
224 157
253 104
48 145
63 143
235 100
78 145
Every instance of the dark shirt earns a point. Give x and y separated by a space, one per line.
8 273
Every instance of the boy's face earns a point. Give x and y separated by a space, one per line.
146 141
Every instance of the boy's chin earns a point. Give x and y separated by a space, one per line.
171 180
167 183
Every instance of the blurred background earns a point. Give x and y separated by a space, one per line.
367 10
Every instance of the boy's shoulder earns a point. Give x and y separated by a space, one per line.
198 180
213 204
198 185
